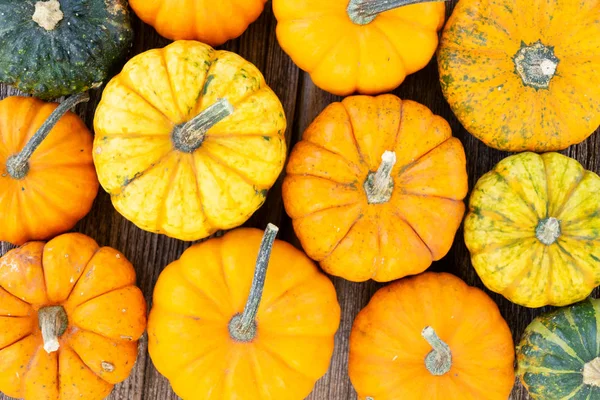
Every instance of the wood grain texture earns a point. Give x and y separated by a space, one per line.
302 101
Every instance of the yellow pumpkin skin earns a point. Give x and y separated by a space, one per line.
193 193
507 99
198 295
60 185
341 224
103 317
211 22
344 57
533 230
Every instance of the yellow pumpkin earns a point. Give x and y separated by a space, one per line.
523 74
364 46
188 140
533 229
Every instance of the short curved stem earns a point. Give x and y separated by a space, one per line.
363 12
17 165
242 327
190 136
380 185
53 323
439 361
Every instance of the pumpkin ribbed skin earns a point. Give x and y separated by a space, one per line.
338 225
558 356
388 350
343 57
514 208
483 58
106 315
73 57
208 21
188 194
197 296
61 184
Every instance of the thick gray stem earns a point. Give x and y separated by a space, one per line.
363 12
380 185
548 231
53 322
242 327
439 361
17 165
190 136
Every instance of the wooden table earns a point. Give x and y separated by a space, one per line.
150 253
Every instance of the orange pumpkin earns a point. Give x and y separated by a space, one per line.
211 335
371 218
365 46
47 177
212 22
70 318
431 337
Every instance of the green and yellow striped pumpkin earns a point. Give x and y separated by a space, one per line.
559 354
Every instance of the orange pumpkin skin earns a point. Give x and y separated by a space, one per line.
197 296
388 349
61 183
211 22
106 316
344 57
324 190
523 75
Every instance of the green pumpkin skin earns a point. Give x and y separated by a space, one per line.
76 55
558 349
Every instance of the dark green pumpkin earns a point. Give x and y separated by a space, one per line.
50 55
559 354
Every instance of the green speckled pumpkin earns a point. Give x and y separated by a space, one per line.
559 354
59 47
523 74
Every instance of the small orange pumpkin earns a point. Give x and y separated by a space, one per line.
70 318
365 218
47 177
431 337
213 337
365 46
211 22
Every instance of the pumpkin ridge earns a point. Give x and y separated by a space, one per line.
398 213
395 50
163 62
126 84
562 208
257 374
225 165
140 174
18 340
402 170
66 344
509 289
549 335
215 141
162 210
341 240
272 302
198 290
82 271
407 193
72 310
192 164
573 325
281 360
327 209
326 54
44 196
575 263
350 163
518 193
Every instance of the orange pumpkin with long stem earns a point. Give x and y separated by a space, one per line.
386 181
70 318
224 328
431 337
47 180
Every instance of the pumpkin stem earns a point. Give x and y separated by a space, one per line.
188 137
47 14
17 165
242 327
439 361
380 185
548 231
53 322
591 372
363 12
536 64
